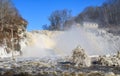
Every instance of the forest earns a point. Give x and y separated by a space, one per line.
107 15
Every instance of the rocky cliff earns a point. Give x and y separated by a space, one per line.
11 36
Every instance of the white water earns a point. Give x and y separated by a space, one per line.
94 41
39 45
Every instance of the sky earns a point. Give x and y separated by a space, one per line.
37 12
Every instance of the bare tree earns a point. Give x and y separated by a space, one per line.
10 16
58 18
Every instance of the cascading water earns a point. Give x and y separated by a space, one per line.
95 42
39 45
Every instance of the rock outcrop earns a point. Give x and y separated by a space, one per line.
11 36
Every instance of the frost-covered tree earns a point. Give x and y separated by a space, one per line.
9 15
11 23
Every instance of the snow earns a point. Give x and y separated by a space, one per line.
4 54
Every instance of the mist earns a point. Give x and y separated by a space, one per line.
38 45
61 43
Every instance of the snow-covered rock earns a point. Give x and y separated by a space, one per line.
110 60
80 58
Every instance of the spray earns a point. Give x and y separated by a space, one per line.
93 40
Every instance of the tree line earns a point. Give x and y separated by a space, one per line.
106 15
58 19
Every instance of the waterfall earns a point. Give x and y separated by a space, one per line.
52 43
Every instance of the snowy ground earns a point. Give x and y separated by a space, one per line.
55 66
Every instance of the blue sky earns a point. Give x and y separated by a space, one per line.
36 12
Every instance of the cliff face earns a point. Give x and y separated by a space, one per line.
11 35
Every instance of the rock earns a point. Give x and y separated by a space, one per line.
81 74
8 73
110 74
110 60
118 55
80 58
73 74
23 74
104 61
66 74
95 73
